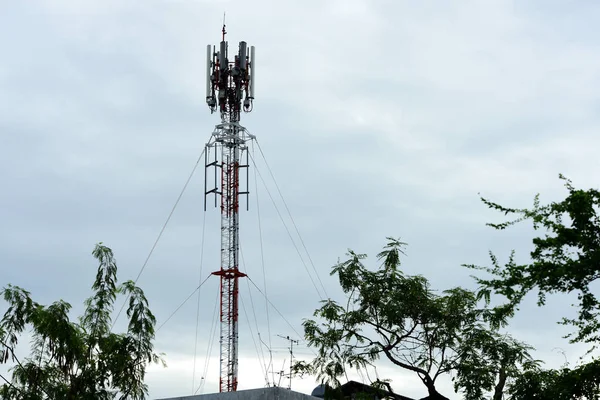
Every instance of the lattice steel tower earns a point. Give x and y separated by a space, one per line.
230 89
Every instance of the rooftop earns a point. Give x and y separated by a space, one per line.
269 393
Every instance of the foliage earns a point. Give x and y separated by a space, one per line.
399 317
84 359
488 361
565 259
581 383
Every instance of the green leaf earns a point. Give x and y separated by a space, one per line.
84 359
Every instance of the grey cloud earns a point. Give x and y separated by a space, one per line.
378 118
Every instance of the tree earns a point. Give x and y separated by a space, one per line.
83 359
580 383
565 259
399 317
489 362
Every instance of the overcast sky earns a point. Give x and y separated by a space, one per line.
378 118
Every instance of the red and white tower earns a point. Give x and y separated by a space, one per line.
230 90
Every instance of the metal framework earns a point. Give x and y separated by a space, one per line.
227 83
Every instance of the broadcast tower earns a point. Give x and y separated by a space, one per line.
230 89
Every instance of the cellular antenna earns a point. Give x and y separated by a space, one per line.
230 89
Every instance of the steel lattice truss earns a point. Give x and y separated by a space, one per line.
229 145
230 89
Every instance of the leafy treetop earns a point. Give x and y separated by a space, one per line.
565 259
399 317
83 359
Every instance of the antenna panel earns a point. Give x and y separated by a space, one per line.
208 71
252 71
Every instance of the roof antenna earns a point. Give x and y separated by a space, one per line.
224 32
291 348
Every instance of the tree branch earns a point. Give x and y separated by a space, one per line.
11 352
499 389
10 384
409 367
20 365
440 369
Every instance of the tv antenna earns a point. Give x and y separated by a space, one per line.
291 348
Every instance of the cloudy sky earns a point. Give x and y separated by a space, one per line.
378 118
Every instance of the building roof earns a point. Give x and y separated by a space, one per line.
347 390
352 387
269 393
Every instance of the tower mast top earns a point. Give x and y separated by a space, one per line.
230 83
